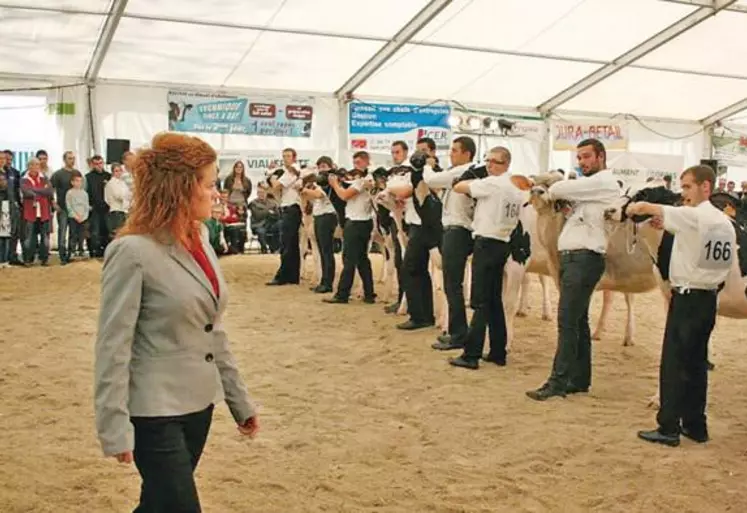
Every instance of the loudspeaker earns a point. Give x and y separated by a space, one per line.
713 164
115 148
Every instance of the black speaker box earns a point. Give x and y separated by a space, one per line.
115 148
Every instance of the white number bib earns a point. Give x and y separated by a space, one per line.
509 216
717 248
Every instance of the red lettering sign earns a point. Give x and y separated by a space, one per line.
299 112
262 110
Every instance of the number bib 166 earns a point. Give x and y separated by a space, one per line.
716 249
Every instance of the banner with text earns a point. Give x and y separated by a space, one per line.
730 150
375 126
218 114
567 135
633 169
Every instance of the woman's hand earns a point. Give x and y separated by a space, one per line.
124 457
250 427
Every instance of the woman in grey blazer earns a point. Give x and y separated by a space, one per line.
162 356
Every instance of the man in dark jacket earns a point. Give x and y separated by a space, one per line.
13 177
96 182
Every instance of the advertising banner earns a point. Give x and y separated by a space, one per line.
567 135
218 114
375 126
730 150
635 168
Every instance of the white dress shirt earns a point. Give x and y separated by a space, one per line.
411 214
589 196
704 246
458 209
291 184
498 207
321 206
117 195
360 207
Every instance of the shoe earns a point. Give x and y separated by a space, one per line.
545 392
370 300
411 325
697 436
274 283
500 362
319 289
465 363
655 436
446 342
335 300
45 264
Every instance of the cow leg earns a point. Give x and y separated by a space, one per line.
514 274
630 321
440 305
545 297
524 299
389 269
602 322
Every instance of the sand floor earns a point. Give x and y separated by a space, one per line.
357 416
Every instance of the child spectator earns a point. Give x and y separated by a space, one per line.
234 222
215 229
78 209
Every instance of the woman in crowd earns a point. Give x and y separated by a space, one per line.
238 185
162 356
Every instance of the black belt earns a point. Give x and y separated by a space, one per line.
285 209
578 252
685 291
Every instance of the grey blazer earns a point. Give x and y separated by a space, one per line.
160 348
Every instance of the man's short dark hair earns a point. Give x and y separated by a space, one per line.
42 153
325 160
701 174
8 152
293 152
599 148
97 158
467 144
430 142
361 155
401 144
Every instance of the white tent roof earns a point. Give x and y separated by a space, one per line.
676 59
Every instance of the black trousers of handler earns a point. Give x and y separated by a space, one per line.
580 271
355 256
683 372
167 450
486 300
417 279
456 247
398 262
324 231
290 251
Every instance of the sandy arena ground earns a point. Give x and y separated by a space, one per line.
357 416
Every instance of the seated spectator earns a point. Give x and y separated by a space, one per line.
234 224
265 220
215 229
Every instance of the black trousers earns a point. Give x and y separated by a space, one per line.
97 223
486 299
115 220
167 450
77 235
356 237
290 252
456 247
417 279
398 263
324 231
580 271
683 372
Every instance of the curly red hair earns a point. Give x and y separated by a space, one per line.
165 178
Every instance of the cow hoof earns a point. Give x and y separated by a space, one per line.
521 314
627 343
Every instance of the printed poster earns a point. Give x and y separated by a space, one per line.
373 127
633 169
218 114
730 150
567 135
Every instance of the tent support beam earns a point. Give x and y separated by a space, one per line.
105 40
648 46
412 27
706 3
724 113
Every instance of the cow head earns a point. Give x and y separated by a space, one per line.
539 199
652 192
726 203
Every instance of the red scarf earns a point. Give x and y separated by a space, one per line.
198 253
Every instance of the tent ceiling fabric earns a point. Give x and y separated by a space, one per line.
517 53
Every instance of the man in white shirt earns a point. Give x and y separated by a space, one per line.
421 238
399 152
357 231
582 246
496 216
456 243
288 186
702 256
117 195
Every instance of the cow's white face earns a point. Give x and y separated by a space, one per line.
616 211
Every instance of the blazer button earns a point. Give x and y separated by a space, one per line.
209 357
208 328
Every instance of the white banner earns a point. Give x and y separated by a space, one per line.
730 150
635 168
567 134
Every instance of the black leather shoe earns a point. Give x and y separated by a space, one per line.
444 338
571 389
335 300
370 300
274 283
545 392
500 362
656 437
446 343
464 363
410 325
391 309
319 289
697 436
